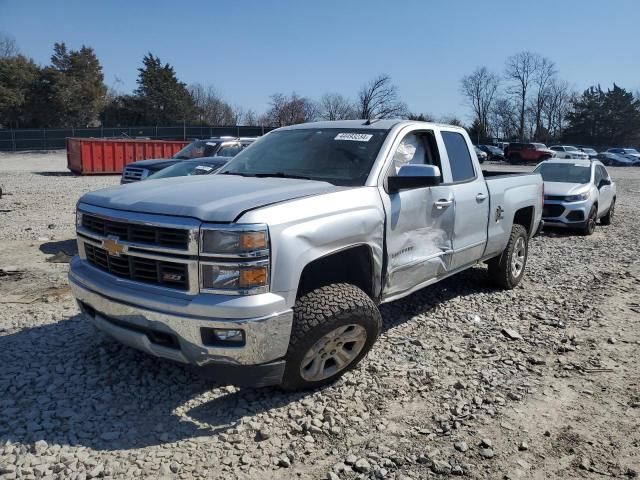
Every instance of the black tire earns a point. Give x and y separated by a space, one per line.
319 313
608 218
501 271
590 224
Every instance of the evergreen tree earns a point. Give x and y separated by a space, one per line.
164 100
17 77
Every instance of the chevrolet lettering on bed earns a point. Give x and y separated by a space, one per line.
271 271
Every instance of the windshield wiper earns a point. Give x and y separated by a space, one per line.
280 175
240 174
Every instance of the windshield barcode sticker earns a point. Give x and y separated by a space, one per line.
354 137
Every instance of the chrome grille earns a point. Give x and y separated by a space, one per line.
137 233
134 174
158 272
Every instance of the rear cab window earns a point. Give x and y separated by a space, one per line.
461 164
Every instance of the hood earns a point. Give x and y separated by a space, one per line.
154 163
564 189
210 198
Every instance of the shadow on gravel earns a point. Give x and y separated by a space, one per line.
468 282
550 232
70 247
66 384
57 174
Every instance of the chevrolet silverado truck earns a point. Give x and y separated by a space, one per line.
271 271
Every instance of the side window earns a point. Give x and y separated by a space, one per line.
459 158
229 151
597 176
603 172
416 148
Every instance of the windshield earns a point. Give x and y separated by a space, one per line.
565 172
590 151
197 149
185 169
633 151
335 155
539 145
571 149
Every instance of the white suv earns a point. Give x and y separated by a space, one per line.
567 151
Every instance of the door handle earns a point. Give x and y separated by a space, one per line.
442 203
481 197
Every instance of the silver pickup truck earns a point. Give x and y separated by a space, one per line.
271 272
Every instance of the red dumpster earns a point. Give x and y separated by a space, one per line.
87 156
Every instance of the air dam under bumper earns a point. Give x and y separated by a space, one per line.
179 338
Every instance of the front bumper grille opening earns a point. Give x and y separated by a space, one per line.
552 211
576 216
158 272
157 337
131 232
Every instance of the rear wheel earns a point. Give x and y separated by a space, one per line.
608 218
590 224
333 329
507 270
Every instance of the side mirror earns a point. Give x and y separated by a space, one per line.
603 182
414 176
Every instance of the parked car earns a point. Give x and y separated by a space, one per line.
213 147
576 194
589 151
271 271
493 152
568 151
187 168
627 152
617 160
482 155
527 152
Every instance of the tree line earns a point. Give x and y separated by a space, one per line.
527 101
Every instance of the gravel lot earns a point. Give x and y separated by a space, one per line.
444 392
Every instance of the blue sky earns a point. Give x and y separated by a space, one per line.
251 49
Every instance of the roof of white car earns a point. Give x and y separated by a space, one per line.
386 124
575 161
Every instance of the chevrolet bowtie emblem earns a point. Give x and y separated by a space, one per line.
112 246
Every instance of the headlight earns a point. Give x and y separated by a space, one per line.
236 278
576 198
234 259
244 241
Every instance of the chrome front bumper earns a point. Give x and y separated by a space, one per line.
137 319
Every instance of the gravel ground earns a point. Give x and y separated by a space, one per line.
538 382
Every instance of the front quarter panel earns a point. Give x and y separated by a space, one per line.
309 228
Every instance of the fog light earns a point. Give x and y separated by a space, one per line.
222 337
225 335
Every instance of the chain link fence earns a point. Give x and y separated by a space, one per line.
54 138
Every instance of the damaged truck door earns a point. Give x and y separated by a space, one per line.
420 218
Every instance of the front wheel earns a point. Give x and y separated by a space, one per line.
333 329
507 270
608 218
590 224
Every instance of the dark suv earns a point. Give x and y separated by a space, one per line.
527 152
213 147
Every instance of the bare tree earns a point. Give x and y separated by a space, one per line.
289 110
8 46
557 106
542 78
480 89
503 119
250 118
334 106
520 70
379 99
452 119
211 109
421 117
